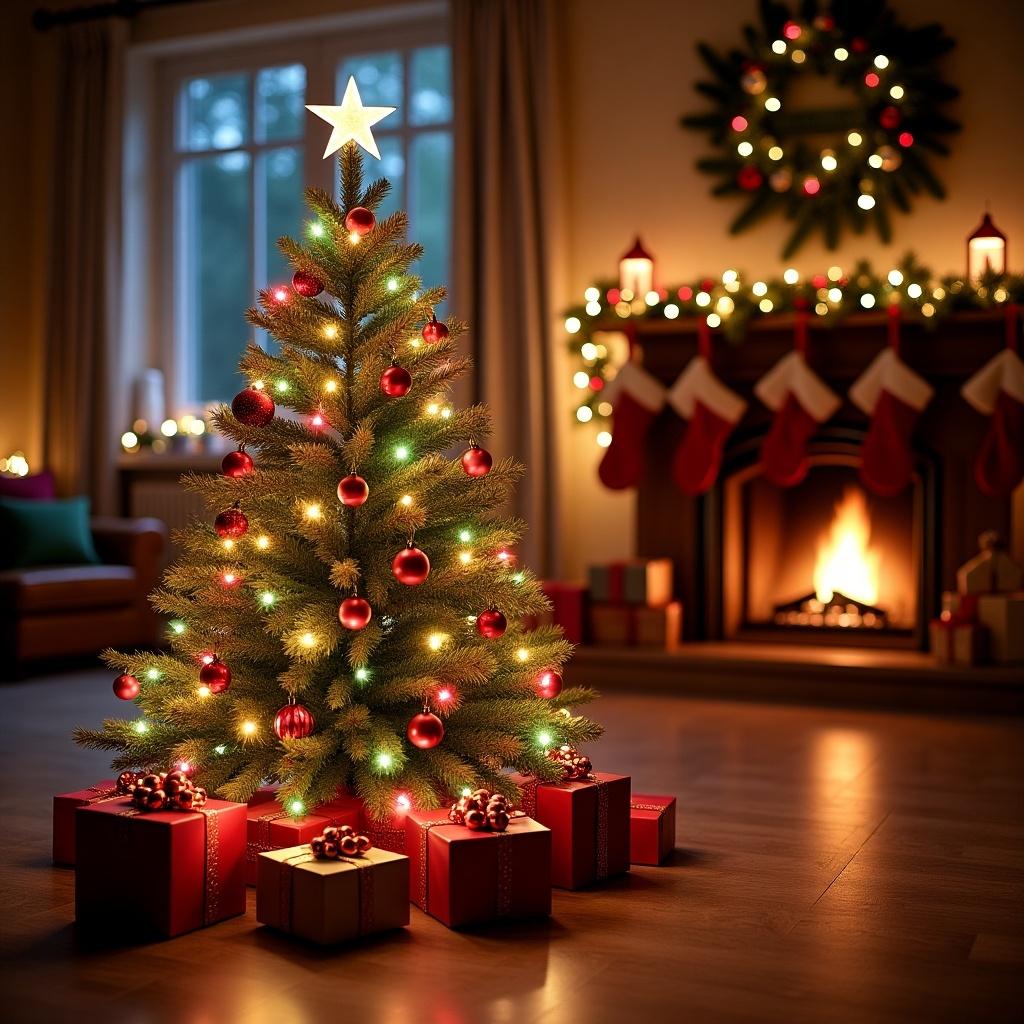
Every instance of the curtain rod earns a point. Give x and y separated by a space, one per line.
44 18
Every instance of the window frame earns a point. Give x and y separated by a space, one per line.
322 53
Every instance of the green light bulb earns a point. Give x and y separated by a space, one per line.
544 738
384 760
465 536
362 675
296 807
267 598
401 452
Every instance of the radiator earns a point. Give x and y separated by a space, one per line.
166 500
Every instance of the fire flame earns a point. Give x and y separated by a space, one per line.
845 563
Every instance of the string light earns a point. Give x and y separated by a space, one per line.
248 728
405 501
362 674
584 414
775 153
401 452
766 305
840 53
835 273
714 320
773 104
168 428
220 749
263 542
895 278
702 299
744 148
544 738
267 598
581 379
330 386
759 288
779 46
331 332
592 294
229 579
790 275
296 807
258 385
466 791
444 695
914 290
312 511
465 536
798 56
436 641
281 294
652 298
153 674
281 387
504 555
867 300
572 324
203 691
129 440
523 654
881 62
854 139
384 760
520 577
316 229
308 640
671 311
353 238
206 659
866 202
465 557
604 439
835 295
896 92
588 350
403 803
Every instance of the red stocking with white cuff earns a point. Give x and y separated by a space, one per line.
639 398
712 411
893 395
801 402
997 391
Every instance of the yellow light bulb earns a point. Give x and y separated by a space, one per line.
308 640
312 511
228 543
353 237
465 557
330 386
435 641
258 385
523 654
263 542
405 500
433 409
248 728
331 331
203 691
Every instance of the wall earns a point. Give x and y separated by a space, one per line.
630 74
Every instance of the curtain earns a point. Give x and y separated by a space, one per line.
507 235
84 261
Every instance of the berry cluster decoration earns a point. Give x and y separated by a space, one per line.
167 791
482 811
339 841
874 155
126 782
575 766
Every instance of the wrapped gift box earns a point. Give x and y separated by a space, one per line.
271 827
1003 616
652 828
387 833
463 877
162 873
637 581
659 627
589 822
329 901
568 608
64 807
963 607
955 642
612 625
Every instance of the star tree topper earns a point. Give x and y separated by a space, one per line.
351 121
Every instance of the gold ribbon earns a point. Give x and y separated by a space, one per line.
648 807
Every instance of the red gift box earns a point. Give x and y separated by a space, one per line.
263 794
161 873
568 608
64 807
958 642
463 877
387 833
589 822
652 828
271 827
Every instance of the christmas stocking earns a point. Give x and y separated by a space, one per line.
711 411
893 396
801 402
997 391
639 398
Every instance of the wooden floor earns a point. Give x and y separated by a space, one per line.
833 866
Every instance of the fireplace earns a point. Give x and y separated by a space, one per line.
824 561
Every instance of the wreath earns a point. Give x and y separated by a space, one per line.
843 162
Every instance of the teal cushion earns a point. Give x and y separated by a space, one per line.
36 532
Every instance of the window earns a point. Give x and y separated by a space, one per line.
240 158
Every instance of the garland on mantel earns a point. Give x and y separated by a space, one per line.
729 303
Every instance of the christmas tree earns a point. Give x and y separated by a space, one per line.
352 616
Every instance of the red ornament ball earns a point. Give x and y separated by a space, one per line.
434 331
231 523
425 730
355 613
750 179
253 407
476 461
395 381
411 565
491 624
548 684
307 284
293 722
889 118
216 675
353 490
126 687
237 464
360 221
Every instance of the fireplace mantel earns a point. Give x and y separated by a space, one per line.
948 435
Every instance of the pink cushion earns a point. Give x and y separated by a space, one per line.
39 486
